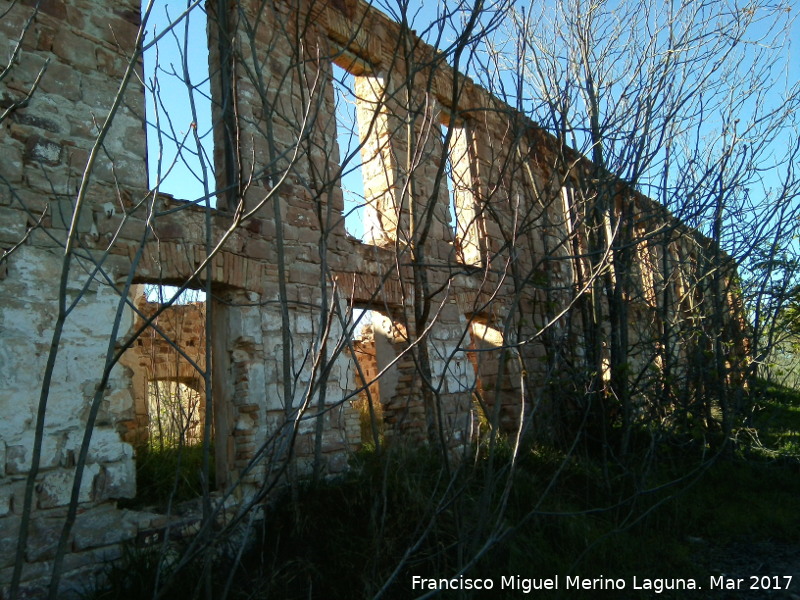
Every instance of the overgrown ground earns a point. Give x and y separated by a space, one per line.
679 514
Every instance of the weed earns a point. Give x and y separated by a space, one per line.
400 512
168 474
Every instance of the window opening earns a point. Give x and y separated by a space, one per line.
449 185
169 398
461 193
347 137
495 390
175 160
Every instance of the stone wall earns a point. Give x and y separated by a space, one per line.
55 95
476 306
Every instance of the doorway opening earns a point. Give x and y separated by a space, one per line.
383 373
365 374
169 430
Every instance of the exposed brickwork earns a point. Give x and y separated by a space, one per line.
505 265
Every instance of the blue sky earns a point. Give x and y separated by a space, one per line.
180 171
168 101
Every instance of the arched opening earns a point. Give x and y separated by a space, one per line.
168 363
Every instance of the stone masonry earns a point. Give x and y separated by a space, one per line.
472 288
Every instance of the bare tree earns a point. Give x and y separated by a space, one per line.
523 286
673 101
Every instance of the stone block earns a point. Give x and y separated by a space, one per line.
134 139
34 584
123 170
9 533
19 454
54 8
76 158
120 404
338 462
117 480
308 236
56 486
117 225
75 51
10 168
259 249
105 446
304 324
244 323
83 570
43 538
122 28
62 80
101 526
76 16
6 499
304 274
13 225
61 211
110 63
257 381
37 121
39 149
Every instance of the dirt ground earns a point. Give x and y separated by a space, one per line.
768 561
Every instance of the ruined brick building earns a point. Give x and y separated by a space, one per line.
475 264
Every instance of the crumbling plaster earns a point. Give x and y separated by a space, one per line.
46 145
